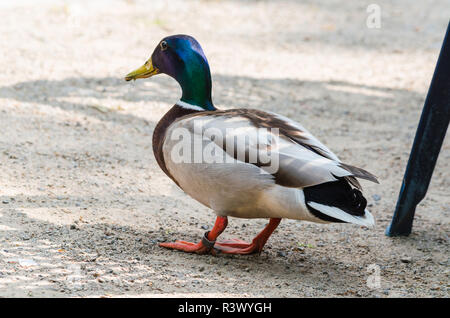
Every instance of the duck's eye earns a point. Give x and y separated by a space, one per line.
163 45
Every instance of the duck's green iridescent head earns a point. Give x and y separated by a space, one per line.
181 57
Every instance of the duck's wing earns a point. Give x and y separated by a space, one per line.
277 145
303 137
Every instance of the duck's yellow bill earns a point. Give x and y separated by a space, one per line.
144 71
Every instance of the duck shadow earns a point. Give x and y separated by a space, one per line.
93 259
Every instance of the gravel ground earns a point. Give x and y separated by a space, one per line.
83 203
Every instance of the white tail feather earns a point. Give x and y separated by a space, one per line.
365 220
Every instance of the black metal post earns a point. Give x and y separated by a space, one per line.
427 145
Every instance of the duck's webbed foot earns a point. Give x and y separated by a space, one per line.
203 247
206 245
188 247
236 246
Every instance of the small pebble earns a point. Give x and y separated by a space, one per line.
405 259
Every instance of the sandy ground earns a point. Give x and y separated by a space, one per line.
83 203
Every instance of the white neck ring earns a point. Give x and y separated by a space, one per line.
189 106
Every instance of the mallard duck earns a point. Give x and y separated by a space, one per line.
279 171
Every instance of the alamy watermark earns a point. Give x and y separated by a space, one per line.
373 20
257 146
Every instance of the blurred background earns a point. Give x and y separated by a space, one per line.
83 203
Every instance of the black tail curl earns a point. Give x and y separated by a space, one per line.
337 194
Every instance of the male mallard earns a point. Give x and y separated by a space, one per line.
299 178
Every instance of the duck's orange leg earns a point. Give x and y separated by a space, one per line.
206 244
209 244
256 246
